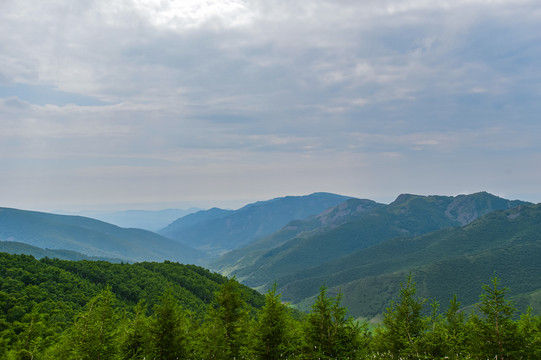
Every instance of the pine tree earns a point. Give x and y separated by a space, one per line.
223 333
328 333
135 340
402 324
496 333
455 332
168 329
93 335
272 329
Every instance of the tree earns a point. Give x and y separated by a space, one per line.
328 332
529 329
168 329
135 339
496 333
402 324
223 334
94 332
273 328
455 332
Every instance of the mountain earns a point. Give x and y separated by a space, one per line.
504 243
91 237
183 223
141 219
408 215
14 247
325 221
216 231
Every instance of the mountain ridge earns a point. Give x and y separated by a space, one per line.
91 237
408 215
231 229
504 241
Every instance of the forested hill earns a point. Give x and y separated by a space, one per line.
27 283
91 237
15 247
287 252
54 309
456 260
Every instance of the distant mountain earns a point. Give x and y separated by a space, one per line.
141 219
408 215
200 217
13 247
325 221
504 243
91 237
216 231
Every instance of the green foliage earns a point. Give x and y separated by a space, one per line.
403 326
93 336
135 335
168 329
495 331
328 333
42 317
274 332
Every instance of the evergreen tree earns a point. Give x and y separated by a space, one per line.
135 340
432 343
495 332
94 332
168 329
328 332
455 331
223 334
272 331
402 324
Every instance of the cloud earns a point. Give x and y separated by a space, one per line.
311 87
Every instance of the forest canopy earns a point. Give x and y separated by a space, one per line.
55 309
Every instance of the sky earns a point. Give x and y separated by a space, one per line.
166 103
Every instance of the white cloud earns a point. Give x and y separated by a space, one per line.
222 87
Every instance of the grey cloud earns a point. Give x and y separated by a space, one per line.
245 80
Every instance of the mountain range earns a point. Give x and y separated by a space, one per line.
216 231
361 224
362 248
505 243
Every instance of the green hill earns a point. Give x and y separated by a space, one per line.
91 237
408 215
444 262
325 221
13 247
68 285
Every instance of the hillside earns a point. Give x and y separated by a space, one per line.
216 231
408 215
90 237
14 247
60 289
54 309
325 221
444 262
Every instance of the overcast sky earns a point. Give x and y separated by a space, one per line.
176 103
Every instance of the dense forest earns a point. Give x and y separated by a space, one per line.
56 309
